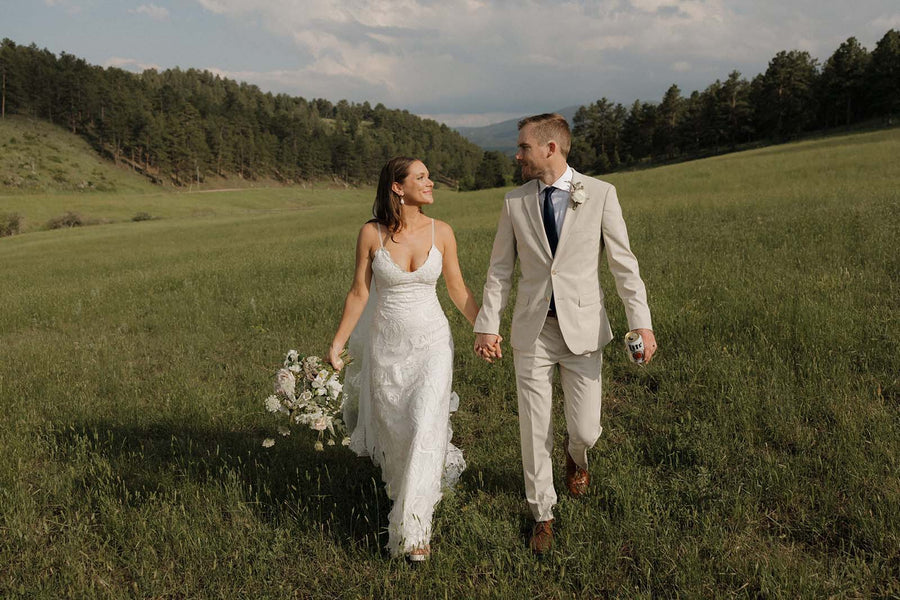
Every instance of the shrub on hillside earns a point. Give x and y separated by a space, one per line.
70 219
142 216
10 224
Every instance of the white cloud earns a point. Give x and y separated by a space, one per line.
422 50
129 64
157 13
451 58
71 9
885 22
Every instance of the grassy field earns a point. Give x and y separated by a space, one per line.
47 172
757 457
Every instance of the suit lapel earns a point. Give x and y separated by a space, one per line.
533 210
571 216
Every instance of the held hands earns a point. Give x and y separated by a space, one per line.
487 346
649 343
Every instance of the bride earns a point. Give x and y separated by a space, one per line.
398 395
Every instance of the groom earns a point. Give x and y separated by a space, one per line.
557 225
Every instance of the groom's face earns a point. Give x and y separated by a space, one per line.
531 154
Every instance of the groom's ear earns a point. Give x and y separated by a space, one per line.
552 148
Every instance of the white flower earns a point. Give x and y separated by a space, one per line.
273 404
310 418
577 194
308 393
285 383
319 384
334 387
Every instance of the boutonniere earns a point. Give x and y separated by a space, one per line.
577 194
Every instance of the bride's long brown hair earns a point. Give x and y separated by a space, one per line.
386 209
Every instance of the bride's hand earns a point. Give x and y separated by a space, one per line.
334 357
487 346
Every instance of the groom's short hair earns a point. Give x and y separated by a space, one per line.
550 126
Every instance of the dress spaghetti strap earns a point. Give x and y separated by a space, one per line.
380 239
432 232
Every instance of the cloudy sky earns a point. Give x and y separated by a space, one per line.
463 62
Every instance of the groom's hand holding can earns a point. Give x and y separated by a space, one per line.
640 344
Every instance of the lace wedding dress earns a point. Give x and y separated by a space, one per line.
398 396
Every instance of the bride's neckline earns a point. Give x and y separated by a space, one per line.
401 269
395 263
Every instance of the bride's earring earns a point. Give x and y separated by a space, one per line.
401 200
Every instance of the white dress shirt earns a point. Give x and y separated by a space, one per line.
559 197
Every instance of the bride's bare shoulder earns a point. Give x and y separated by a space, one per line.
369 236
369 230
442 228
444 237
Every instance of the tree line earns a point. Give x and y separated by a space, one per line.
181 126
793 96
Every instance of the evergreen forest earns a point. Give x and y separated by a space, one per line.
182 126
794 96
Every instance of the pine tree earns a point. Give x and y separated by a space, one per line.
843 84
883 77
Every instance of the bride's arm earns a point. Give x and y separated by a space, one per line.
459 292
358 294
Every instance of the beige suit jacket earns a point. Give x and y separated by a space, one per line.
573 275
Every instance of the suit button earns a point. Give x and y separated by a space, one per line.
553 272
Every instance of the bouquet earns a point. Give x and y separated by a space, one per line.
308 392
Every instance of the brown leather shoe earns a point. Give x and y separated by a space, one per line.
420 554
541 537
577 478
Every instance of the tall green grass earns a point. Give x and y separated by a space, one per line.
756 457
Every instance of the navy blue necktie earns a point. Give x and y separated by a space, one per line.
552 236
550 219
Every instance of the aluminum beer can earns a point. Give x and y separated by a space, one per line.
634 344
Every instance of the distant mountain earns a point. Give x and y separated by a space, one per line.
503 136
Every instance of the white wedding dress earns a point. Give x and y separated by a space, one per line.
398 396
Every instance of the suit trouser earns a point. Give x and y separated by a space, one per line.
580 378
